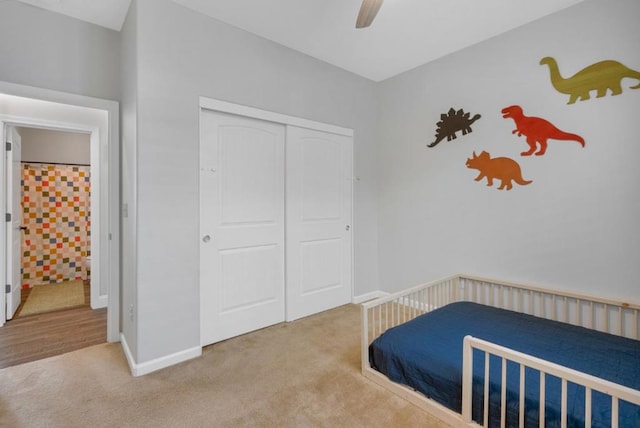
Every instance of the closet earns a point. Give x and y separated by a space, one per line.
275 219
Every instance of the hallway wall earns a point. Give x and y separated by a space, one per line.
44 145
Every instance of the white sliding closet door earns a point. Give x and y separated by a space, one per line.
242 225
319 200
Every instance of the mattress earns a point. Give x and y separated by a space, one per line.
426 355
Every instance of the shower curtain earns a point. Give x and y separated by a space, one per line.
56 214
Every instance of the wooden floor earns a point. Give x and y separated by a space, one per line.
34 337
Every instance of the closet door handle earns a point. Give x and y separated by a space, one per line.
23 228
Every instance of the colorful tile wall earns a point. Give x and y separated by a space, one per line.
56 213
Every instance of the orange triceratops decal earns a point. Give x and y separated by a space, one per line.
504 169
537 130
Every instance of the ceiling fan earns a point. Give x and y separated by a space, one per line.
368 12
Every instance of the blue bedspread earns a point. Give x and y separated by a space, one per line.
426 354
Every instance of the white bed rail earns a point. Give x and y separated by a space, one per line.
595 313
381 314
591 383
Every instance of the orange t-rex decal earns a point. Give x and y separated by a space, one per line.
504 169
537 130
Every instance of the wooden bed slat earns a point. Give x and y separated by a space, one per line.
521 407
543 389
615 391
587 407
563 406
486 389
620 321
503 395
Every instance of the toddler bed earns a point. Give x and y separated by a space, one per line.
542 358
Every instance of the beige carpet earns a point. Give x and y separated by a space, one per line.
52 297
301 374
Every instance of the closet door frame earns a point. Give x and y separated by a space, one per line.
255 113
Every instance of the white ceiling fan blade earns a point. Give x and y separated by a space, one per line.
368 12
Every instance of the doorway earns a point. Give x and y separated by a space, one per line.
44 109
55 191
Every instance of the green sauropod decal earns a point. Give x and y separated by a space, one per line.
600 77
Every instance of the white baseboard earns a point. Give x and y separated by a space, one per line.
158 363
100 302
127 352
368 296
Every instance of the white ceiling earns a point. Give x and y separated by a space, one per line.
106 13
404 35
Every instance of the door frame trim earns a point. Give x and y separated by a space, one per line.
256 113
109 167
9 194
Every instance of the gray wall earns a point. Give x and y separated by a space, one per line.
44 145
576 225
48 50
418 213
183 55
129 135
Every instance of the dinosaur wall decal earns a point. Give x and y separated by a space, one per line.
537 130
600 77
452 122
504 169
